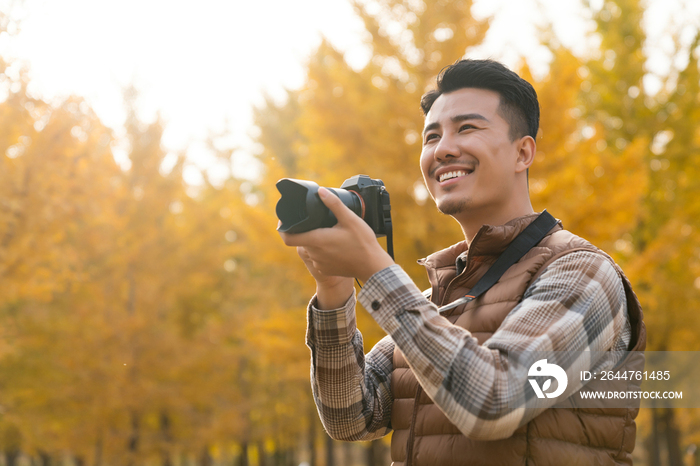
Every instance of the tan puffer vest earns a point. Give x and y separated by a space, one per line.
423 436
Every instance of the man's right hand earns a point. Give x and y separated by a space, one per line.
336 255
331 292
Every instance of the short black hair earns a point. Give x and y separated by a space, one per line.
518 106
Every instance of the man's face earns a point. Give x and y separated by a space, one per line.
468 161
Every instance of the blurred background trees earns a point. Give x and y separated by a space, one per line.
143 320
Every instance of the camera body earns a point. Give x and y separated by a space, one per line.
300 208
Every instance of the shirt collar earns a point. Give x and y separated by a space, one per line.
491 240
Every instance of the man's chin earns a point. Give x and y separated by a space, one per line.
453 207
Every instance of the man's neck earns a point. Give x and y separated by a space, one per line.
472 222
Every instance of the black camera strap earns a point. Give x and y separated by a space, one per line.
526 240
386 211
390 242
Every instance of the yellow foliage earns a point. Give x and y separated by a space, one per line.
139 322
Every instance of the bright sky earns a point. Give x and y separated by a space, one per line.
203 65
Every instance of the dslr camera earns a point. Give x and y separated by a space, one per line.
300 208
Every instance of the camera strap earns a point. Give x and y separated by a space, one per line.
386 211
526 240
390 243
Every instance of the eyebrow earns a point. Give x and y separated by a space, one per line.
456 119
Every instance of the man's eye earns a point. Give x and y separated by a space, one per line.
431 136
467 126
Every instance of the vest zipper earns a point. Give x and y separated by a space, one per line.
469 259
447 291
412 428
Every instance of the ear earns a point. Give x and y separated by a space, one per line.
526 153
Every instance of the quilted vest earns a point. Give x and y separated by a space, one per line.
423 436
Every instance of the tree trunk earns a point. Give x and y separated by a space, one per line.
11 457
653 442
12 440
205 458
262 455
166 438
243 458
376 453
133 440
347 454
673 441
44 458
372 456
291 458
279 456
98 453
330 460
312 440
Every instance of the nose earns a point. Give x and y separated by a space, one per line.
446 148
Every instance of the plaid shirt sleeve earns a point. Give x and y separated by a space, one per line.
577 304
351 390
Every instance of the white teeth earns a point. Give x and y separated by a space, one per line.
450 175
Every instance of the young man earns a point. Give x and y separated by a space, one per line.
444 383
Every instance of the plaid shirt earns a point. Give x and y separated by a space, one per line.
578 304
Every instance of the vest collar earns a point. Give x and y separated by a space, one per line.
490 240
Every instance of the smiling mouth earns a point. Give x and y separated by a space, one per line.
453 174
